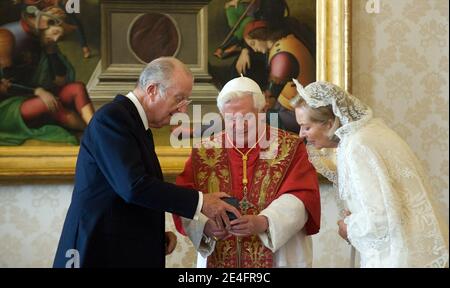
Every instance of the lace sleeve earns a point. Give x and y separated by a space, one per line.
368 180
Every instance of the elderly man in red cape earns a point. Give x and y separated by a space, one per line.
276 185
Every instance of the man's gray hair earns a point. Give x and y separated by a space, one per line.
160 71
259 101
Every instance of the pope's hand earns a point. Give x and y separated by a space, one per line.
249 225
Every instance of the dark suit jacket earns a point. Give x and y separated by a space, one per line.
116 217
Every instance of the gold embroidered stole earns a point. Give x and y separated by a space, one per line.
212 174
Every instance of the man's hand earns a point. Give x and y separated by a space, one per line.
213 231
216 209
249 225
171 242
48 99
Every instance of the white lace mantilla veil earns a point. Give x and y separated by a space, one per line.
393 222
351 112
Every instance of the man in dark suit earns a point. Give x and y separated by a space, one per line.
116 217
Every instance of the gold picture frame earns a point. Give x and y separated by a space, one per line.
24 163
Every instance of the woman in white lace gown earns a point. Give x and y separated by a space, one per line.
391 220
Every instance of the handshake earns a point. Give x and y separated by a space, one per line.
226 220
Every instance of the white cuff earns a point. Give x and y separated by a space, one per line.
207 245
199 207
286 216
194 230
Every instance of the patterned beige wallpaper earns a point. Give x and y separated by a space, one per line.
401 68
400 65
31 219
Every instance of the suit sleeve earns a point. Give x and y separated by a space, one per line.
115 149
186 180
193 228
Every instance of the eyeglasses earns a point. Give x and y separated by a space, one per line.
183 103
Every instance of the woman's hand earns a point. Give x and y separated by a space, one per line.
249 225
243 62
171 242
343 227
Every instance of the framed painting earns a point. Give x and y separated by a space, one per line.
206 35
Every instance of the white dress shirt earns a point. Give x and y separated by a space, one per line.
144 119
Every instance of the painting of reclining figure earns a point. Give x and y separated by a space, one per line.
43 97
